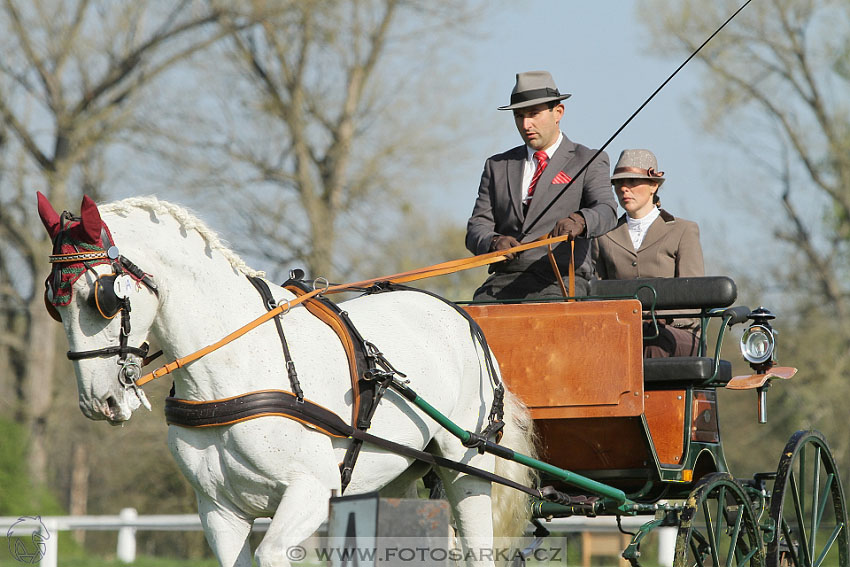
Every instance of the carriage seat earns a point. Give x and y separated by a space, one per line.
671 293
684 371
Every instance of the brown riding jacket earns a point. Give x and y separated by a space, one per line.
670 249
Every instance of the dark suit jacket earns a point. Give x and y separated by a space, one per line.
670 249
498 208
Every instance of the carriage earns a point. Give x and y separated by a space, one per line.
620 436
648 430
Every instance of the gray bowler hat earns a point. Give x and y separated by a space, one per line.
533 87
637 164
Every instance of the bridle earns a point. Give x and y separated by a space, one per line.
110 297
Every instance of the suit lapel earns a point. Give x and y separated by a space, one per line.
514 172
658 229
619 235
545 192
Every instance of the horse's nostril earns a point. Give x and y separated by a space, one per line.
111 403
111 407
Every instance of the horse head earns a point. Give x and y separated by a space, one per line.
90 289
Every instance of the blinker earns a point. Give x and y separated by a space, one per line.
48 303
106 300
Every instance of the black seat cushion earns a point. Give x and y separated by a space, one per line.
683 371
671 293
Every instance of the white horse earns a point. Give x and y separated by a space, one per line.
273 466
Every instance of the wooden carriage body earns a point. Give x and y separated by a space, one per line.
648 427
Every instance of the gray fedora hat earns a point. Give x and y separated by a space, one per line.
533 87
637 164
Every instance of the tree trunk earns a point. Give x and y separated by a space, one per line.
79 491
38 385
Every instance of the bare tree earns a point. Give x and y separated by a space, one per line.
72 75
776 86
334 131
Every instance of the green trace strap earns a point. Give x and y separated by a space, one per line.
466 437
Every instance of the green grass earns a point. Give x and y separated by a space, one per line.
7 560
140 562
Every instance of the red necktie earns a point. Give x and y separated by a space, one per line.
542 160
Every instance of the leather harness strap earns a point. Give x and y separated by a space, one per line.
269 302
185 413
420 273
331 316
361 363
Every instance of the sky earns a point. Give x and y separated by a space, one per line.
598 51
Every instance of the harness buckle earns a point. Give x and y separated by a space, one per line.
325 284
283 302
129 372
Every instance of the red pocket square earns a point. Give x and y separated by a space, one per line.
562 178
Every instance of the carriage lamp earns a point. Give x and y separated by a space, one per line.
758 345
758 342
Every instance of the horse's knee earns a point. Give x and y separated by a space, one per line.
226 533
301 511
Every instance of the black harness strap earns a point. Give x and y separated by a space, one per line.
368 382
185 413
269 302
497 411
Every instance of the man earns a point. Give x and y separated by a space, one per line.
520 185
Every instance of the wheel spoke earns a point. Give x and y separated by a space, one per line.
832 537
815 507
798 509
748 556
733 544
695 549
712 537
789 539
719 521
827 490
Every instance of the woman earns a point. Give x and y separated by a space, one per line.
649 242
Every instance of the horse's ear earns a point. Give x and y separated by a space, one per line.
49 216
91 222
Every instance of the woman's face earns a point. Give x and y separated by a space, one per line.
635 196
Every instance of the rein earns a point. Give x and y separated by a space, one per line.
412 275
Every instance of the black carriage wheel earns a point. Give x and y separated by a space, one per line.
808 507
717 527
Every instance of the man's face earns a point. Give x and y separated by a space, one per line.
538 124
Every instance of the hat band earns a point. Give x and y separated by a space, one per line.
650 172
525 96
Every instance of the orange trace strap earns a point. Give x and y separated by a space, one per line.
412 275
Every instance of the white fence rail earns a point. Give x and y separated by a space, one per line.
128 522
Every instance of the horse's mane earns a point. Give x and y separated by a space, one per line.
187 220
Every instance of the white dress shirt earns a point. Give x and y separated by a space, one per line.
530 165
638 227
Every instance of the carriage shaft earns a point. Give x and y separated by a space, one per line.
473 440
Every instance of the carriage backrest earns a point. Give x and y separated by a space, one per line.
671 293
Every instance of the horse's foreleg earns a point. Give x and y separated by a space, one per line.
227 534
301 511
